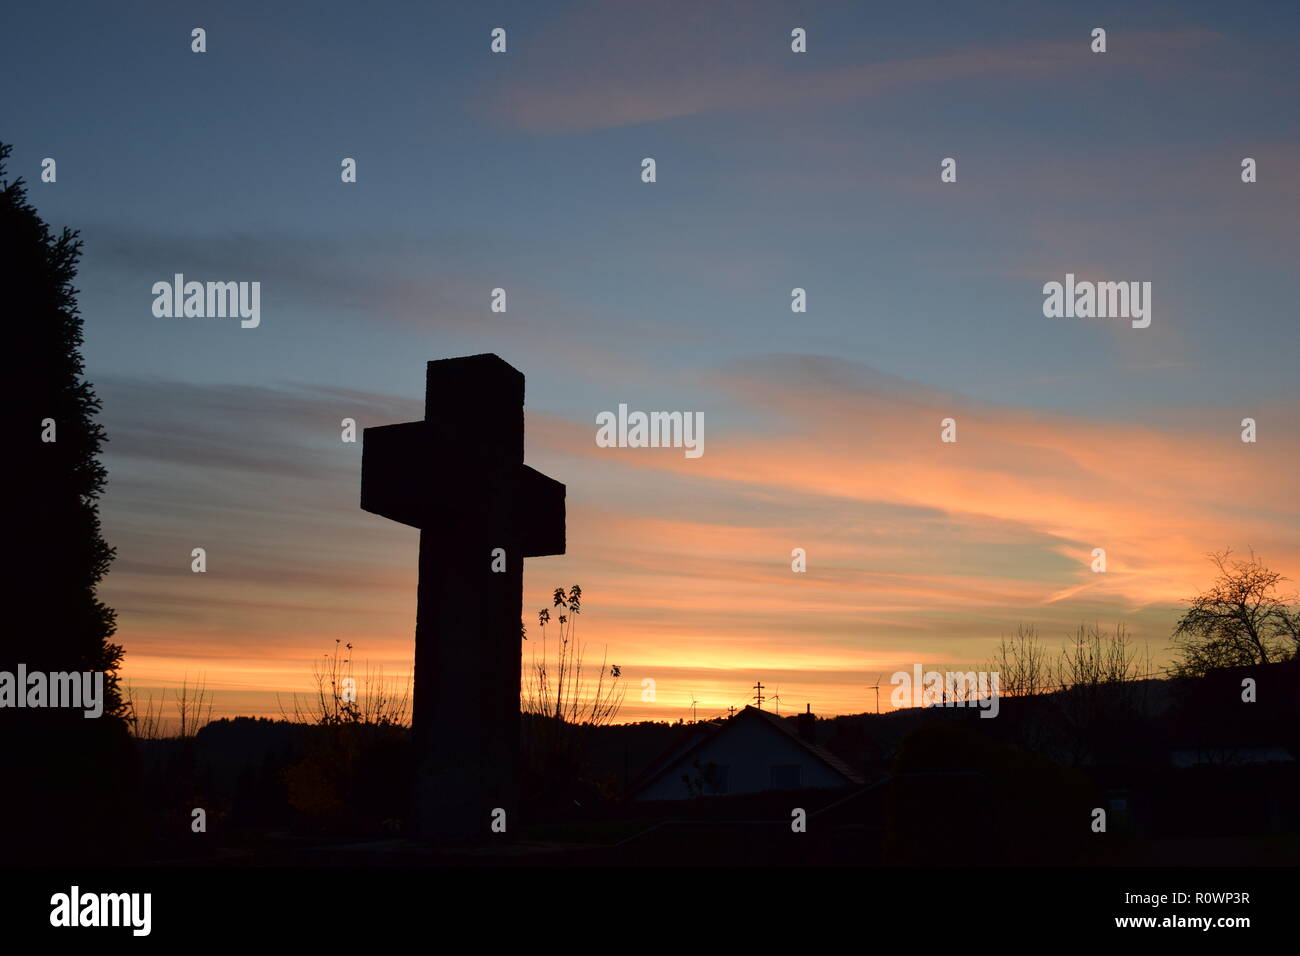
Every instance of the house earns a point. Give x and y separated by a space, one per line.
749 752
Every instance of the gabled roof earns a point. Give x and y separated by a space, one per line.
702 733
821 753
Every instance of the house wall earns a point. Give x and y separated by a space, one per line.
749 750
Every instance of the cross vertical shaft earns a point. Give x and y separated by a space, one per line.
459 477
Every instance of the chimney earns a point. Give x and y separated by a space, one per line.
808 725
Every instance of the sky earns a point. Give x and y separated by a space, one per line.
775 170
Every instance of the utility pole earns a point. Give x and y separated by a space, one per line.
759 695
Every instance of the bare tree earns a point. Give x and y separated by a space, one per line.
193 711
142 716
1289 629
1022 664
193 707
1240 620
1102 691
1097 656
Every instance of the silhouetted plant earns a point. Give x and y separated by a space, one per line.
355 773
143 717
1241 619
64 555
75 778
193 712
1103 694
373 700
560 700
560 690
1022 664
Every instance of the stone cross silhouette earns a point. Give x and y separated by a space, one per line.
459 476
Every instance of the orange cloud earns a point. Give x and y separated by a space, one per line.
917 550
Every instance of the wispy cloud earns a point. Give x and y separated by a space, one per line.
916 549
686 62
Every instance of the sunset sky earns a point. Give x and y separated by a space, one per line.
775 170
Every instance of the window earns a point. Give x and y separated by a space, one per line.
788 776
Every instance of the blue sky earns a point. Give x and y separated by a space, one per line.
775 170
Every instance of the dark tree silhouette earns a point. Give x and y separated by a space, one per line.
1241 619
68 767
